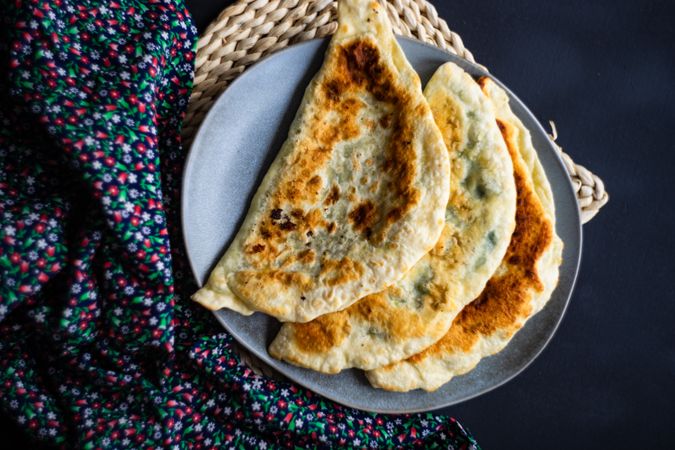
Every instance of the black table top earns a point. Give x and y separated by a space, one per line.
605 72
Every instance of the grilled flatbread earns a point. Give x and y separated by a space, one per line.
417 311
519 289
357 193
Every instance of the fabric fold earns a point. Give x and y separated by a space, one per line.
99 343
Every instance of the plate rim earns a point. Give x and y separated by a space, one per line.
189 161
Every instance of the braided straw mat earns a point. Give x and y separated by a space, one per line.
251 29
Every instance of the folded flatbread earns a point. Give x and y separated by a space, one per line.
418 310
519 289
357 193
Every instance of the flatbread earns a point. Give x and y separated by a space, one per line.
357 193
519 289
417 311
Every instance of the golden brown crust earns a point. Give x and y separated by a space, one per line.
363 217
250 281
334 272
333 196
449 121
357 70
360 68
328 331
506 298
322 333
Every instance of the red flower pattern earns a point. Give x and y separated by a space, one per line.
100 346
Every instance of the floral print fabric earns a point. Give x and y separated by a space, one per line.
100 346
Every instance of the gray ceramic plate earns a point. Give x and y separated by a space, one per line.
234 146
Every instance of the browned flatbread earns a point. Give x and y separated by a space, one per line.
519 288
355 196
418 310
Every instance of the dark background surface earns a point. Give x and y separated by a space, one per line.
605 72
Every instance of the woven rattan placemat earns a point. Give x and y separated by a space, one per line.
251 29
